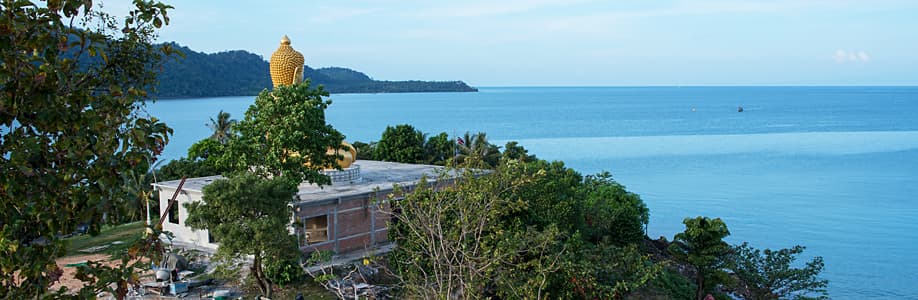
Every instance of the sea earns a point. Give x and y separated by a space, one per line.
834 169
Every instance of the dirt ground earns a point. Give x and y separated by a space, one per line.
68 278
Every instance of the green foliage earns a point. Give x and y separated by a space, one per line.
512 150
478 152
553 196
604 271
249 215
439 149
401 143
284 271
222 127
612 213
668 285
205 158
285 134
206 149
511 233
701 245
227 267
69 129
768 274
365 151
469 246
175 169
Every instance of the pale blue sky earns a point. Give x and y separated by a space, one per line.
574 42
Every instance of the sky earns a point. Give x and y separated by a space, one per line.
572 42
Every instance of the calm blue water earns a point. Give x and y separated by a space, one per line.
831 168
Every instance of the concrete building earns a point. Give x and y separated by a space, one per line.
350 214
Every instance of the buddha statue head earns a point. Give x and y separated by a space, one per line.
286 69
286 64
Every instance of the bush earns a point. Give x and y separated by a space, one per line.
283 272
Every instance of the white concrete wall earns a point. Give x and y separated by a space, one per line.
182 233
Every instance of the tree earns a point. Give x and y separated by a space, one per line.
402 143
554 195
364 150
453 242
222 127
603 271
282 142
249 215
205 158
439 149
285 134
611 213
511 233
477 148
68 128
701 245
512 150
139 193
768 274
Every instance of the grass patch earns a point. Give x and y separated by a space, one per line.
126 233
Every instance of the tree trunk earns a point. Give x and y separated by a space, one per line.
258 272
699 292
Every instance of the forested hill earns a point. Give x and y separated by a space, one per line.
240 73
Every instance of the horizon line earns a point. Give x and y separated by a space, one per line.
694 85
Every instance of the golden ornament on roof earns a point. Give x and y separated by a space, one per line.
347 152
286 64
348 155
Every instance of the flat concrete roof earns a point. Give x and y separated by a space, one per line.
373 175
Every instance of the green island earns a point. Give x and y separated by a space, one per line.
495 222
240 73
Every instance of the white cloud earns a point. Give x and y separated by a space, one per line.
842 56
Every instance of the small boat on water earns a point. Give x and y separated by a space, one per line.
740 109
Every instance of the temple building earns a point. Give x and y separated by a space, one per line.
350 214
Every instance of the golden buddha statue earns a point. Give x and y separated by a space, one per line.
287 68
348 155
286 64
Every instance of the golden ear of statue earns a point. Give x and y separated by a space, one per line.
286 64
298 75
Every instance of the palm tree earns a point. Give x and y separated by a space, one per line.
221 126
476 146
138 193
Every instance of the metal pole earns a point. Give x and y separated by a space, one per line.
172 201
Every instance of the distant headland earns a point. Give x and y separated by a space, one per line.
242 73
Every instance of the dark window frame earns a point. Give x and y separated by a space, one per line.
312 238
174 213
